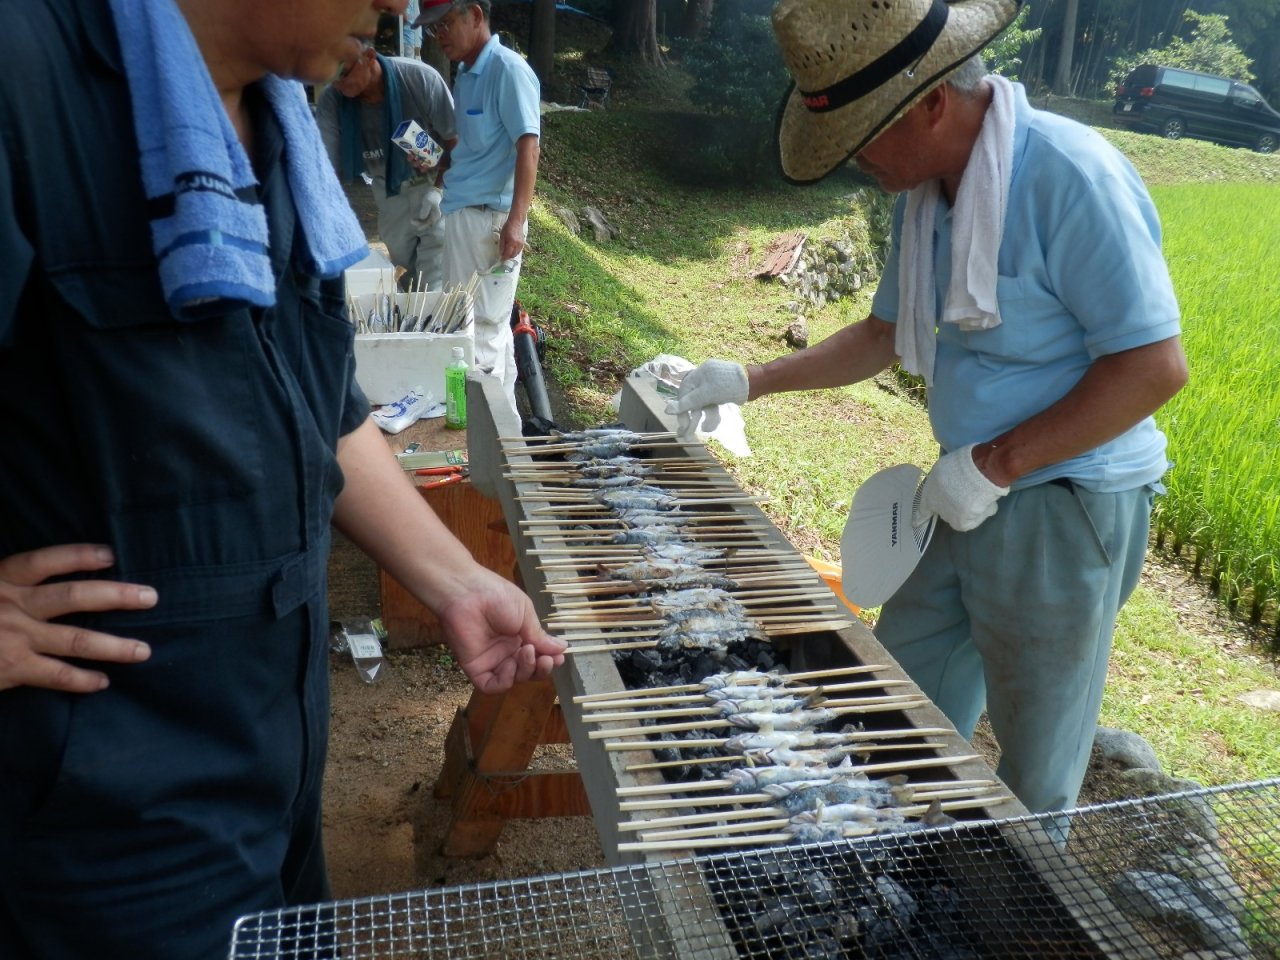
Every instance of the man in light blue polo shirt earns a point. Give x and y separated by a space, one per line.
1044 360
489 184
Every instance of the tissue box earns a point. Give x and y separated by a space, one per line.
389 365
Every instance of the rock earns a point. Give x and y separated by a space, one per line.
1127 749
1162 896
569 219
797 334
1262 699
1197 812
1207 866
604 230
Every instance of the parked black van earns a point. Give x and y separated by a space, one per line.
1182 103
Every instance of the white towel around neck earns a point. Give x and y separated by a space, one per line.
976 231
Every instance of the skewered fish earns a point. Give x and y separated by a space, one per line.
793 720
601 450
607 483
649 535
727 708
615 467
636 498
653 570
596 434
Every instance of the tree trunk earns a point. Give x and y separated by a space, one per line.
1062 77
697 16
542 42
635 30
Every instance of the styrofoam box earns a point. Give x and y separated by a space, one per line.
389 365
375 272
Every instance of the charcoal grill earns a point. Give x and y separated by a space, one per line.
979 889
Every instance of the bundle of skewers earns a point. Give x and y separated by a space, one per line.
647 558
649 554
782 776
413 311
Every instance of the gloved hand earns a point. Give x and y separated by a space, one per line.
702 391
429 215
956 491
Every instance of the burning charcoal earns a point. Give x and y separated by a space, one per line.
824 947
846 927
820 888
732 662
783 876
940 908
806 925
897 898
774 912
935 946
878 932
764 659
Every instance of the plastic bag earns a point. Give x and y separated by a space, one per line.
732 430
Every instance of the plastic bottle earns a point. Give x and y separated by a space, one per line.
455 391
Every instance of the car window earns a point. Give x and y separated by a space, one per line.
1213 85
1178 79
1245 95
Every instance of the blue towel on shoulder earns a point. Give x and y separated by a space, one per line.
210 234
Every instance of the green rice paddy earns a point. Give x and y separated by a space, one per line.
1222 243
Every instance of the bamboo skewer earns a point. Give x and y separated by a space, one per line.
949 800
730 799
613 704
702 710
665 434
695 833
815 626
725 784
578 589
851 741
749 680
864 705
745 597
861 750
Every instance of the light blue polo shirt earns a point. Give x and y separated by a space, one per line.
1080 276
496 103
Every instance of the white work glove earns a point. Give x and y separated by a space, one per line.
956 491
429 215
702 391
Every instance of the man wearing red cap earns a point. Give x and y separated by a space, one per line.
489 185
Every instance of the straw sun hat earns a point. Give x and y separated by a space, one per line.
858 66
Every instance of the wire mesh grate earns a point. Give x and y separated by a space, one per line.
1194 874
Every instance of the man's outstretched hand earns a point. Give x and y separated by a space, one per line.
495 635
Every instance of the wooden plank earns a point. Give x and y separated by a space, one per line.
471 517
782 254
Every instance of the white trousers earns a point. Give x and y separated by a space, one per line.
416 252
472 245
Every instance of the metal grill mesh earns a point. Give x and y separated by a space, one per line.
1161 877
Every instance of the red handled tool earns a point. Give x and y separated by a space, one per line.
450 474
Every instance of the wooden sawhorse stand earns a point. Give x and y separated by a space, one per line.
486 767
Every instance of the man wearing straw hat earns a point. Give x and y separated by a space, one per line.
1024 282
